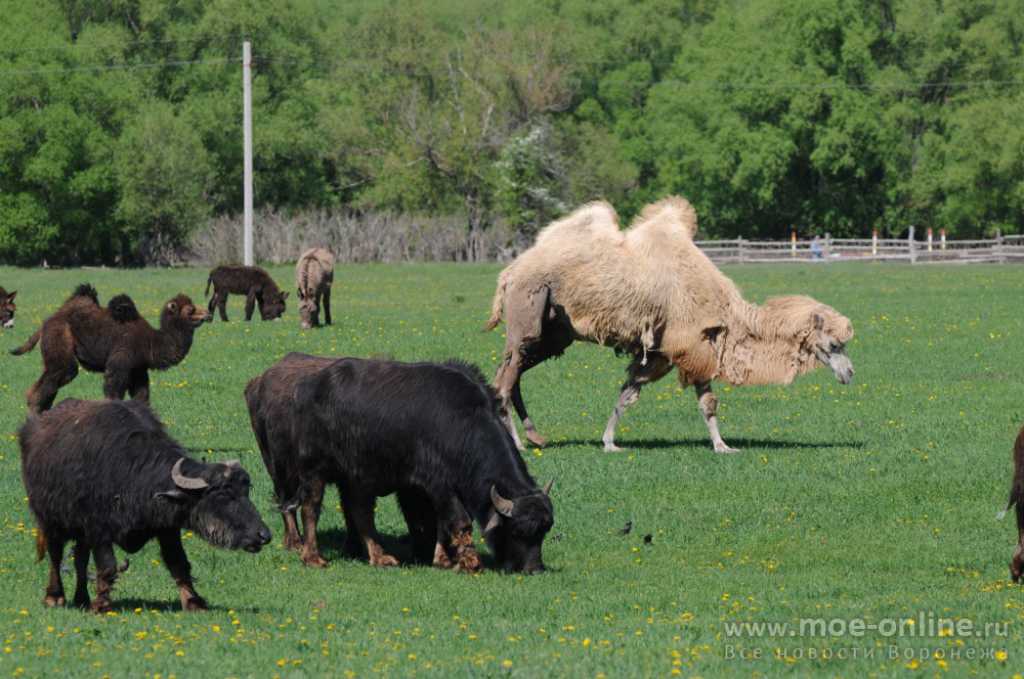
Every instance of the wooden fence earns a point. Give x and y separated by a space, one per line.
931 250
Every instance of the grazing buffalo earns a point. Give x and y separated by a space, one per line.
105 473
253 282
314 274
430 432
115 340
1017 498
7 308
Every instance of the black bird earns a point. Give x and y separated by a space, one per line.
648 539
627 528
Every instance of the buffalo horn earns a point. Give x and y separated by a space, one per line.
504 506
547 487
185 482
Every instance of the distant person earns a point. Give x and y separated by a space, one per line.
816 251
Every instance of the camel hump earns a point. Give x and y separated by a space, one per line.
122 309
674 210
86 290
593 221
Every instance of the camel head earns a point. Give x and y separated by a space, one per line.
180 311
819 331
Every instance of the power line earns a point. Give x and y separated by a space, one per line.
119 67
8 51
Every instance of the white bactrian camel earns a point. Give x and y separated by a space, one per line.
651 293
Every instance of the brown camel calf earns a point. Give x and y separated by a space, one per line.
116 341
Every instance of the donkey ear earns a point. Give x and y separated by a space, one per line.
819 321
284 296
10 295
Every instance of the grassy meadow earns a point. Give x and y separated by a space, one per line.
872 501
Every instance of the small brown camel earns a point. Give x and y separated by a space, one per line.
115 340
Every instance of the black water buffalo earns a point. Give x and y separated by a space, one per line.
430 432
105 473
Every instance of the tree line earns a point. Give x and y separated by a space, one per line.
120 121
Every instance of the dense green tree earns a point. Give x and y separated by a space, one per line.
120 122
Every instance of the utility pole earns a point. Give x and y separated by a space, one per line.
247 126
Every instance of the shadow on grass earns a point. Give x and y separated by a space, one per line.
220 449
703 443
332 546
173 606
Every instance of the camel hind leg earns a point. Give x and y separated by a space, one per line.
638 374
708 403
59 368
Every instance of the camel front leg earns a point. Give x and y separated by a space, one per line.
532 435
504 383
639 374
708 403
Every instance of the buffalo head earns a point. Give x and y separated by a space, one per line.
217 499
516 529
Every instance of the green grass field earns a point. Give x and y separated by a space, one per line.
874 501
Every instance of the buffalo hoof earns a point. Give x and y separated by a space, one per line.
196 603
469 562
53 601
82 602
101 606
441 559
384 560
293 544
314 560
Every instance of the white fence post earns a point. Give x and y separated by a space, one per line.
929 239
742 252
1000 253
874 242
247 141
911 247
942 239
792 243
828 246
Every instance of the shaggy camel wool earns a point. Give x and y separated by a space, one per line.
650 288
